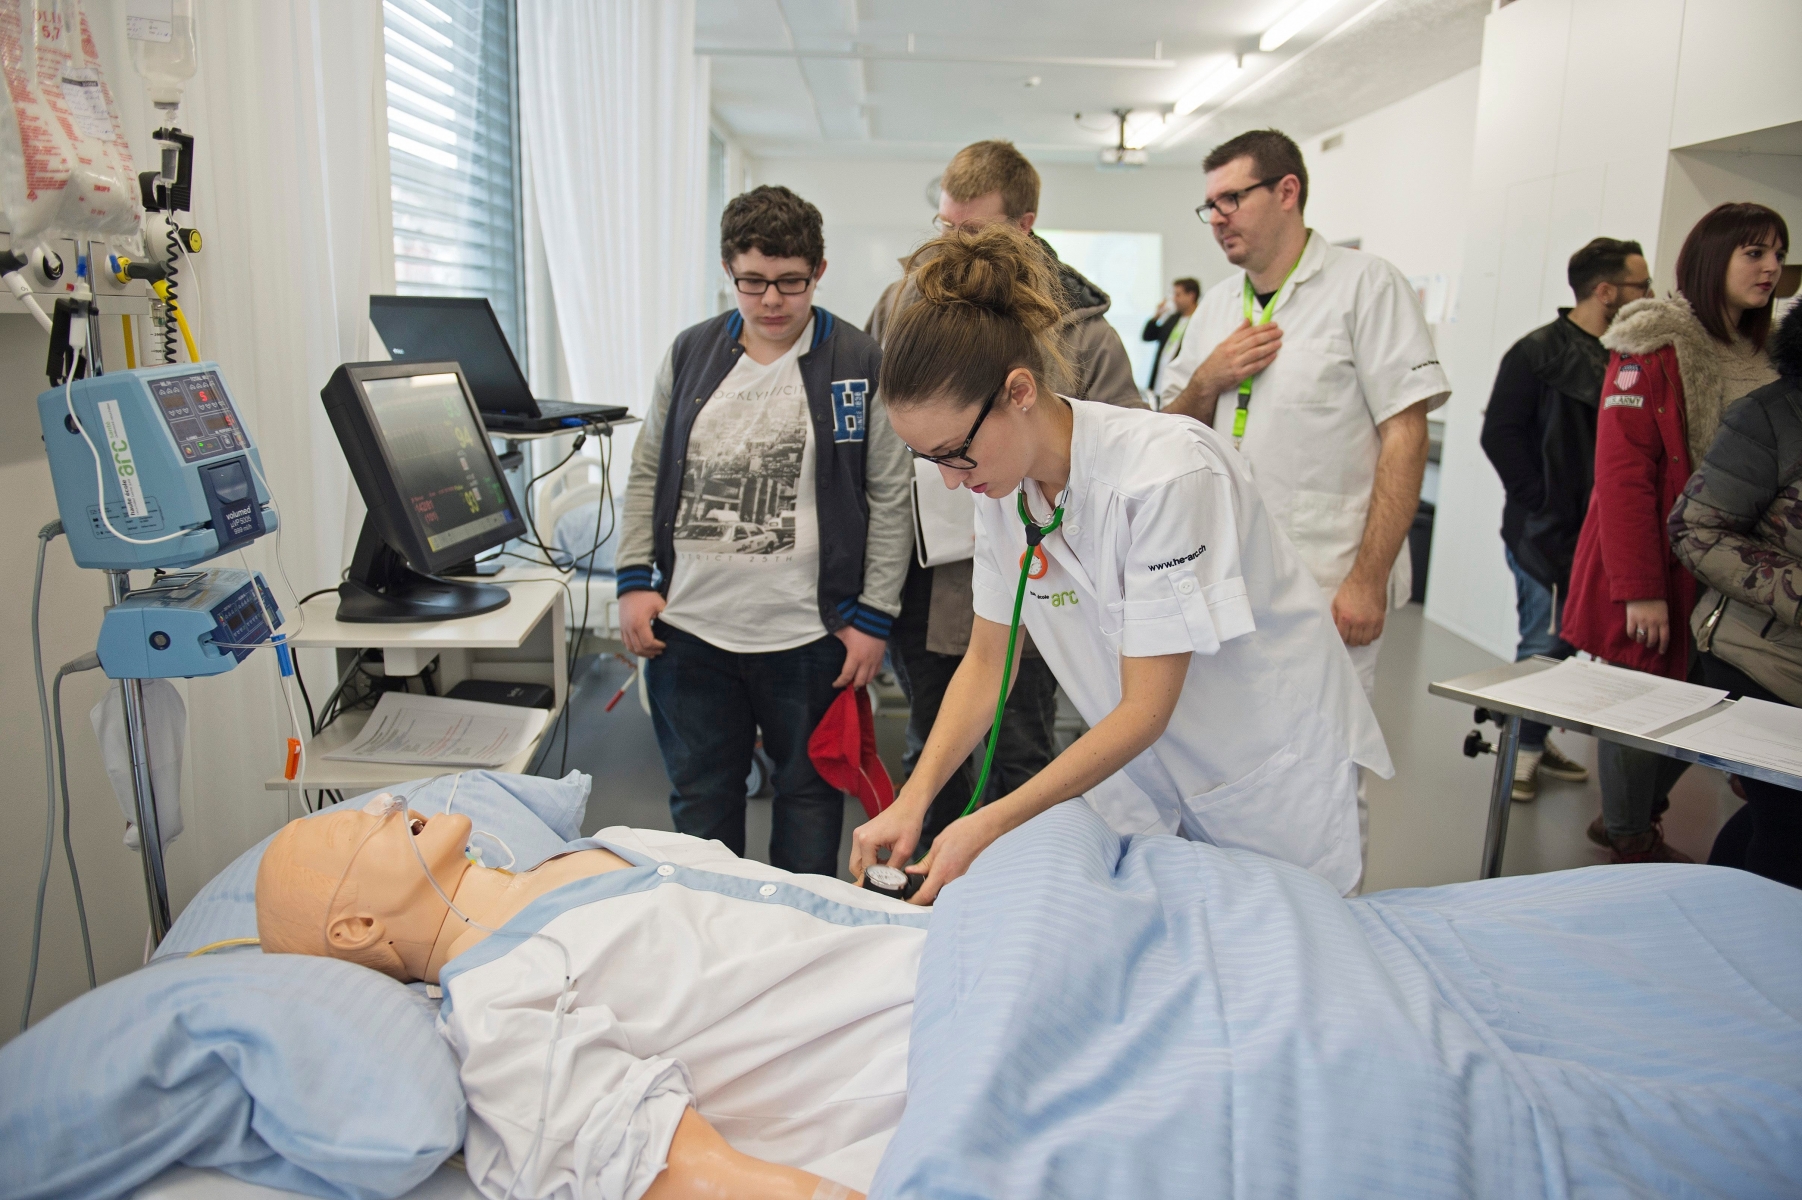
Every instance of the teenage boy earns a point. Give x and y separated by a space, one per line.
986 182
764 537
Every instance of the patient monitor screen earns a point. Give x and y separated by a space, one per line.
440 465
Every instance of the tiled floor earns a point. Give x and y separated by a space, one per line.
1426 824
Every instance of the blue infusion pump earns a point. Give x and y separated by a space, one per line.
174 456
187 624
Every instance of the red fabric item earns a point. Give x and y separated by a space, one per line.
1624 551
843 750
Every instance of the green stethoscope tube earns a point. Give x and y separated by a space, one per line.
1034 535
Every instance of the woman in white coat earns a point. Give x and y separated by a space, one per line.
1177 618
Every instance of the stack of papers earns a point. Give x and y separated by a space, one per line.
1596 694
1748 731
435 732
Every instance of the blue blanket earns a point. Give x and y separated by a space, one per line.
1157 1017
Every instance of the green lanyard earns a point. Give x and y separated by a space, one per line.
1034 535
1261 316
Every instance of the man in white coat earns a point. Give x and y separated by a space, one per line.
1316 360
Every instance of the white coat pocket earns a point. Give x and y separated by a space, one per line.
1327 528
1298 805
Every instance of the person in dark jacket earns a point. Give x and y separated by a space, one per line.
1169 323
1540 433
1738 527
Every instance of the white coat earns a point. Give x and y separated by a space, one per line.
777 1005
1356 351
1166 547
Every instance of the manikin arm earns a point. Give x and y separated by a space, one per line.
702 1166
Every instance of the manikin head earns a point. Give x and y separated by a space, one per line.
774 250
349 885
986 183
981 331
1257 189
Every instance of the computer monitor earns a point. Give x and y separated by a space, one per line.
434 489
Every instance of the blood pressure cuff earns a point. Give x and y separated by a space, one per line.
1184 588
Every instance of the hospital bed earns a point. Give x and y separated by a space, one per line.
1100 1016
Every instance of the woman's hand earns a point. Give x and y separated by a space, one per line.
1649 623
954 850
896 829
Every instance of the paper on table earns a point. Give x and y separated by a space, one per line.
1750 731
435 731
1610 697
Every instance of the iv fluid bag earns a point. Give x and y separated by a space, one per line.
163 50
65 167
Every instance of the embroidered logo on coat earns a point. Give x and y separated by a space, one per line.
1624 401
1177 562
1627 378
848 409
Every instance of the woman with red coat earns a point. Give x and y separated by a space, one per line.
1676 365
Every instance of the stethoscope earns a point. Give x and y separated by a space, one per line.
891 880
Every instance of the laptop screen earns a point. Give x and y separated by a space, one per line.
461 330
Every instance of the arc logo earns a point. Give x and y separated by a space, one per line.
849 409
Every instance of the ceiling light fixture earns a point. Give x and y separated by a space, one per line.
1293 22
1210 85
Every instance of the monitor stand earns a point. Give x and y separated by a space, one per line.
382 589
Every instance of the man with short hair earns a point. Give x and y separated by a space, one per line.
1168 324
1540 433
986 182
1317 362
764 536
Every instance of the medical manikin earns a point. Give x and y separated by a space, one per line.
646 1014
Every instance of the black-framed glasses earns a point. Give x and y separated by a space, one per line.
1642 286
1227 203
959 459
788 285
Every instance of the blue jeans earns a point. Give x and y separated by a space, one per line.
1533 603
707 705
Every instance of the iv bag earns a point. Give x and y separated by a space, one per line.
161 34
65 167
165 729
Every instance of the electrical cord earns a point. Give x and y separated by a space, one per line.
62 773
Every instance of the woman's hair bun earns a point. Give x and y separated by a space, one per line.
997 268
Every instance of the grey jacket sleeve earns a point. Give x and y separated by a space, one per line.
637 547
888 473
1103 371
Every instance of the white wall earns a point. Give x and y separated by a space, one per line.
1579 105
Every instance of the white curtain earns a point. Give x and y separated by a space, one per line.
614 115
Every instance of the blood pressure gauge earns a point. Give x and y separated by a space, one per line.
892 881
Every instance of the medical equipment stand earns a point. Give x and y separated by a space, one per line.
150 834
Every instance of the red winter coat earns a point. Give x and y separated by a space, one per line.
1623 553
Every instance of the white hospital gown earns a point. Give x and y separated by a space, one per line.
777 1005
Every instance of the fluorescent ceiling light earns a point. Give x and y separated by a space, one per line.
1141 128
1293 22
1211 85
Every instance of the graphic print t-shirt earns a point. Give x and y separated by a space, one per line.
747 570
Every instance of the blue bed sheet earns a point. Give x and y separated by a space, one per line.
1157 1017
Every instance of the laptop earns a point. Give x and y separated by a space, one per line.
463 329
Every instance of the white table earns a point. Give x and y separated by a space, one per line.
1501 787
521 643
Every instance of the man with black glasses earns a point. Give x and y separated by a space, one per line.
764 536
1316 361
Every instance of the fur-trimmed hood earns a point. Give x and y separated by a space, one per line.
1709 370
1786 348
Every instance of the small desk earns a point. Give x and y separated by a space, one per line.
1501 787
521 643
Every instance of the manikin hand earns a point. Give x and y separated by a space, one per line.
1359 607
863 655
1243 353
636 612
703 1166
1649 623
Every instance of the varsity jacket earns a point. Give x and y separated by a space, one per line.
862 474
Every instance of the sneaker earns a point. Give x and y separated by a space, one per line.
1526 768
1555 764
1647 847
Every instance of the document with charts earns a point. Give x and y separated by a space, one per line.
437 732
1597 694
1748 731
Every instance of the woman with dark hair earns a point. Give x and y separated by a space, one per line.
1134 548
1739 528
1675 364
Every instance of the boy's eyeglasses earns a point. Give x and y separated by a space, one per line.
788 285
